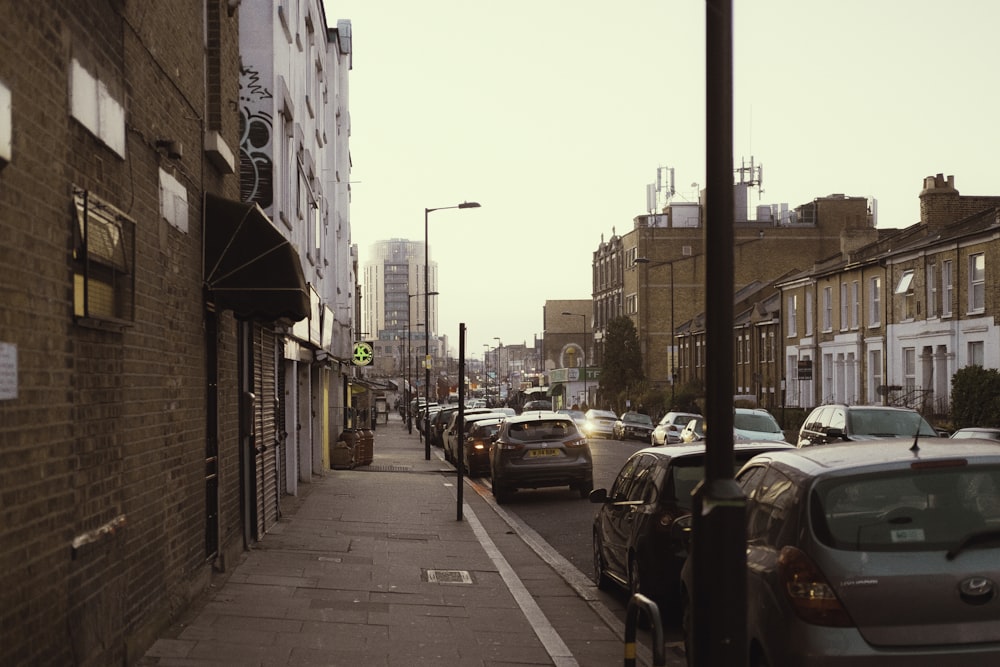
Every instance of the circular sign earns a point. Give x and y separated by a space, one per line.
363 354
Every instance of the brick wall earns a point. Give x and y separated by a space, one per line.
105 442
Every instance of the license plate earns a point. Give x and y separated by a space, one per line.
543 452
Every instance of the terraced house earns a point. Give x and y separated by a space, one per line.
890 322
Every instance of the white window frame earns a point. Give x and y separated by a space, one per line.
875 298
809 313
793 314
976 350
827 308
845 312
977 282
947 286
855 304
932 291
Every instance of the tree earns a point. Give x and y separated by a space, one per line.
622 367
974 397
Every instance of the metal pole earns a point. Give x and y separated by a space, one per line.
718 547
670 341
427 342
461 419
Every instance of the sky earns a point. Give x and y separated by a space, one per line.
555 116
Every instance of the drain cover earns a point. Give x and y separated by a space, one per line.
449 577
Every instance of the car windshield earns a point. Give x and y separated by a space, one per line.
636 418
888 423
756 422
541 430
909 510
687 471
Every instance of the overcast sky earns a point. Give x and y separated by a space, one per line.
556 115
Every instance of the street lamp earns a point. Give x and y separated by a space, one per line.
498 348
585 397
427 312
486 372
670 344
409 326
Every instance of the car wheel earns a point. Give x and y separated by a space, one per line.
600 569
584 488
500 493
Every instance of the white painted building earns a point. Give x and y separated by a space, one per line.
295 163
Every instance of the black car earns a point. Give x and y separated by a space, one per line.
633 426
640 530
478 438
540 450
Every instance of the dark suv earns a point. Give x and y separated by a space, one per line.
838 422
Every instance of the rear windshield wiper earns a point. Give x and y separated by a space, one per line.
973 539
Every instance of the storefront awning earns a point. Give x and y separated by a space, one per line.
250 268
557 389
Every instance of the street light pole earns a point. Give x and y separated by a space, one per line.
427 325
499 347
585 396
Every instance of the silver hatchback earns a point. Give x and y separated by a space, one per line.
862 555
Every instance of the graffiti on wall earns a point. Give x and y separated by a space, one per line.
256 147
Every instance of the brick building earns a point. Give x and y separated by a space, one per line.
655 272
891 321
129 340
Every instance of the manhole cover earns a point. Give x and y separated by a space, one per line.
449 577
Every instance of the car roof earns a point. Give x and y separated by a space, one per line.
698 448
601 413
490 422
535 415
889 453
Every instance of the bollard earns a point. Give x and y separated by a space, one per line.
636 603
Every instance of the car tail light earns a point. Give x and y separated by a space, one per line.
809 592
667 519
509 446
576 442
479 444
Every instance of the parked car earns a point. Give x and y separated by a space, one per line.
542 449
861 555
479 436
579 416
694 430
536 405
439 422
977 432
839 422
757 424
633 425
640 535
668 430
599 423
450 435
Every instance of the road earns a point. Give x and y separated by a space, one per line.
565 522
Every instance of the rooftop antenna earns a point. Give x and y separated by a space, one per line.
916 438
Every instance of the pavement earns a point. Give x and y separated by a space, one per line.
380 565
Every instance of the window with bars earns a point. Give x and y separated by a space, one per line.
104 261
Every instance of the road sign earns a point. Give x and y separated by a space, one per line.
363 354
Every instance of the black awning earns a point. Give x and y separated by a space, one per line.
250 268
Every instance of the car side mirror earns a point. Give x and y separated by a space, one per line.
834 432
599 496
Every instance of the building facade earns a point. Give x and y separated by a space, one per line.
150 307
891 322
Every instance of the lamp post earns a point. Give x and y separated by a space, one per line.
486 372
585 397
670 344
498 348
427 322
409 325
